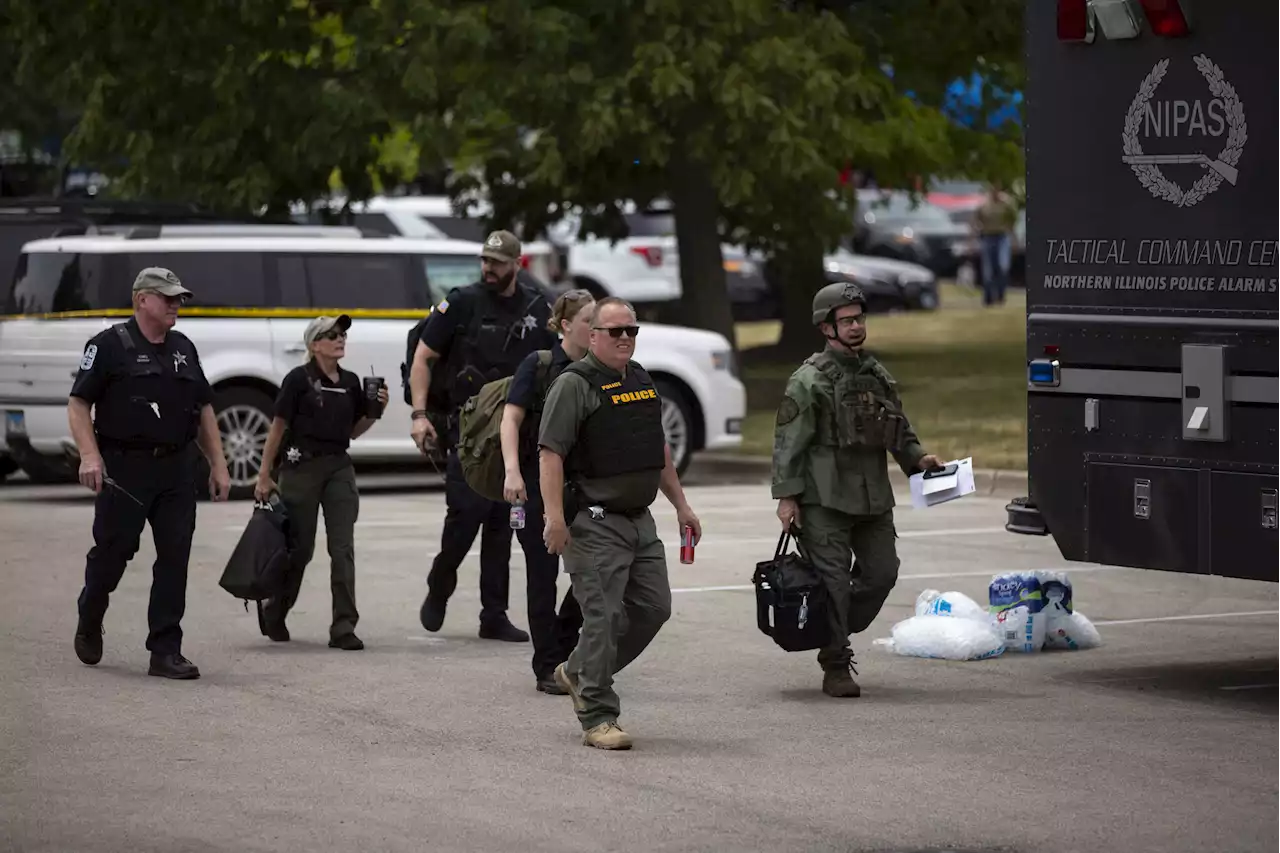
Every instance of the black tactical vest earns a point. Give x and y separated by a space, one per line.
156 399
495 342
624 434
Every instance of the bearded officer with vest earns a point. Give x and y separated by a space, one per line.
150 402
839 414
601 433
480 333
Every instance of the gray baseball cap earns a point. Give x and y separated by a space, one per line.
159 280
501 246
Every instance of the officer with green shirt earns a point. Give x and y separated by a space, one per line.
839 414
601 435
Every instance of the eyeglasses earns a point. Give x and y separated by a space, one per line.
333 335
616 331
846 322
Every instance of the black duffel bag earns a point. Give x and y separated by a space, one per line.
256 569
791 600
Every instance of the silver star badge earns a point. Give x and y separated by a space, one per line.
597 512
179 359
293 454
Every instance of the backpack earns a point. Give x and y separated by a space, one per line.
411 347
480 433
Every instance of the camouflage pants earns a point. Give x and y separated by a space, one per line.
857 590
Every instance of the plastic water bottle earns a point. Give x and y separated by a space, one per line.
517 515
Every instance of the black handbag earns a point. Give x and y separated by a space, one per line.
791 600
257 566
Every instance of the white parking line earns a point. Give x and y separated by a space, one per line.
917 576
1189 616
1249 686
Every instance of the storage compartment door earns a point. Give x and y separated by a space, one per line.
1143 516
1245 542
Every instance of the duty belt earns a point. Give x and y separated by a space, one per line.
131 448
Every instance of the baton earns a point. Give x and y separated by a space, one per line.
113 484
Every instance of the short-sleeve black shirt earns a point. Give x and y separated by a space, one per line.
146 396
319 412
524 384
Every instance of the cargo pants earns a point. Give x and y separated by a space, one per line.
328 483
856 589
618 567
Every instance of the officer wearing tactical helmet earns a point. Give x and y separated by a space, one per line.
839 414
480 333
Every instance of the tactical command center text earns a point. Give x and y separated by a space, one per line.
1258 253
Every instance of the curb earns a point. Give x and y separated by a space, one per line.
991 482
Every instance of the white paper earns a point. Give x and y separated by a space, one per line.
936 490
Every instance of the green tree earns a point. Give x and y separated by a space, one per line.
741 113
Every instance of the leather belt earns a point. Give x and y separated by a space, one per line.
130 449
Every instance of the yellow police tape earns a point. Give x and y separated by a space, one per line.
261 313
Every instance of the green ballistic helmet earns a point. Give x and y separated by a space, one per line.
834 296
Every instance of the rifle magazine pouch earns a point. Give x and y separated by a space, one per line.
791 601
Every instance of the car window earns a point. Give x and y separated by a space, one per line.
651 224
377 281
47 282
446 272
217 279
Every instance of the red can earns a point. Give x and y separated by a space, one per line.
686 544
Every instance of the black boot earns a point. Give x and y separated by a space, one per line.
432 613
89 642
502 629
172 666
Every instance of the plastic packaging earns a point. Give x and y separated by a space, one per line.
517 515
934 603
1016 601
946 638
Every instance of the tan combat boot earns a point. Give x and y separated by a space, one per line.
839 683
607 736
570 686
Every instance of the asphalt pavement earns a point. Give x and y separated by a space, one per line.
1164 739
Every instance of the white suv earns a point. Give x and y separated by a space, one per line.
254 297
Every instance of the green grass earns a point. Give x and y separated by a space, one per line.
961 371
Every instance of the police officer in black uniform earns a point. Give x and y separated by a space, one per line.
481 332
136 453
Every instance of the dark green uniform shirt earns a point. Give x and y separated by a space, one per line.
819 456
569 402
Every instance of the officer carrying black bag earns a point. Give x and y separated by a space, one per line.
791 600
256 569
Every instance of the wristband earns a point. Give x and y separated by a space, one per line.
419 413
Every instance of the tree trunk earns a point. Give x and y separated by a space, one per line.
798 273
704 300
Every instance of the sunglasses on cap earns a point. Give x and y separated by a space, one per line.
616 331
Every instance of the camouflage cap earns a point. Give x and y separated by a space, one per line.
835 295
159 280
321 325
501 246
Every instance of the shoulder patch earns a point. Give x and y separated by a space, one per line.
90 354
443 306
787 411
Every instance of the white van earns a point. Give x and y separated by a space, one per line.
253 298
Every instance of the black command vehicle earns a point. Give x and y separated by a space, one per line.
1151 283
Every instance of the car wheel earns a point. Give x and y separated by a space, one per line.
928 300
244 417
8 465
677 423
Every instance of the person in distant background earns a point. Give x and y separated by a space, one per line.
322 407
994 222
553 638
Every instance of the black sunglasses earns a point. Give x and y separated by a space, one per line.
616 331
333 336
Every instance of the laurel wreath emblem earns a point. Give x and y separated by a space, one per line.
1150 175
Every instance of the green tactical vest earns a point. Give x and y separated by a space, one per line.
861 414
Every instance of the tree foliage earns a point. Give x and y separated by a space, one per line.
742 112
